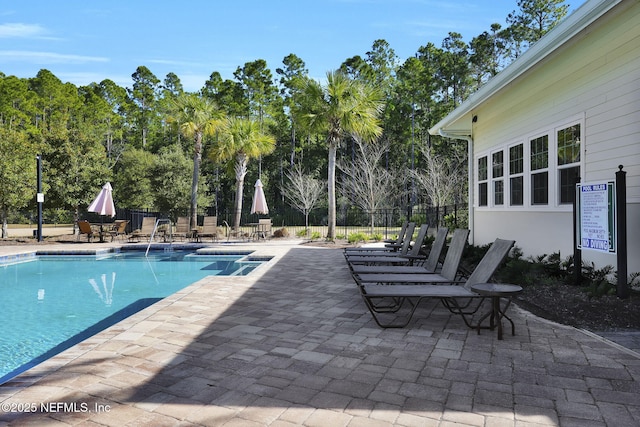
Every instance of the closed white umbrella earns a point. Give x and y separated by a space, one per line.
103 203
259 205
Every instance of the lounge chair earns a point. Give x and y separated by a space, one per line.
209 228
450 271
407 258
183 229
455 296
391 245
398 240
406 244
431 265
84 227
145 230
119 228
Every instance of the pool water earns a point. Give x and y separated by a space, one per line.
54 302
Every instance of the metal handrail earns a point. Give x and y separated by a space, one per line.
153 233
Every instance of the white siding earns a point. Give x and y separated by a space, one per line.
595 78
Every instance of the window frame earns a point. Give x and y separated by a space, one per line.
539 171
516 175
553 170
482 182
568 166
497 178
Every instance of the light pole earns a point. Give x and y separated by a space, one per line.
413 183
39 196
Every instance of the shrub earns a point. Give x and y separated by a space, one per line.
281 232
302 233
315 235
419 218
376 237
449 220
597 281
356 237
634 283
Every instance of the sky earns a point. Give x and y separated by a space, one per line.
83 41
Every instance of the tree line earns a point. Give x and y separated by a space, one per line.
173 151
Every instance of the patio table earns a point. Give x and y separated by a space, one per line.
497 291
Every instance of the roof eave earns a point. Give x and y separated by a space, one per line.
584 16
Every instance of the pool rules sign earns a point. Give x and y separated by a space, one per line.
596 219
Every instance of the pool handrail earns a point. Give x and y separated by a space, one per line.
153 233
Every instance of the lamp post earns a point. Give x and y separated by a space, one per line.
413 163
39 196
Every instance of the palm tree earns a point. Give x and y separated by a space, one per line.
343 107
196 117
240 140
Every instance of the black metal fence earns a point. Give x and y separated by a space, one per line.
349 219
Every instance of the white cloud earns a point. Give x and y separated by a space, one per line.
48 57
18 30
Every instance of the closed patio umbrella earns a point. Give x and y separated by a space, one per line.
259 205
103 205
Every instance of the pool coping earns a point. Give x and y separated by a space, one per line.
30 375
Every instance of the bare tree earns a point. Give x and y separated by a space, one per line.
370 186
440 177
303 191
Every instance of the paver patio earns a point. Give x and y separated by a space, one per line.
294 345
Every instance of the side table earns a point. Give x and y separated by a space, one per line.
496 291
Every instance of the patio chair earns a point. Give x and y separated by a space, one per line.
119 228
264 228
431 265
209 228
145 230
84 227
456 296
183 228
407 258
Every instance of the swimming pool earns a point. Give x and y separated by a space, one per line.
51 303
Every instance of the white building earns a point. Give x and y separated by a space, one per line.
569 107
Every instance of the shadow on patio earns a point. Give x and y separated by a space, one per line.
297 345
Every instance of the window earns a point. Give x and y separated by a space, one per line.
568 140
540 188
497 172
482 181
568 179
539 162
538 171
516 178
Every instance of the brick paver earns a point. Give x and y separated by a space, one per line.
294 344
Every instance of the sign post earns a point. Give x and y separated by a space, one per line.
622 288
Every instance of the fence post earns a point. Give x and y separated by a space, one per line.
455 214
622 289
